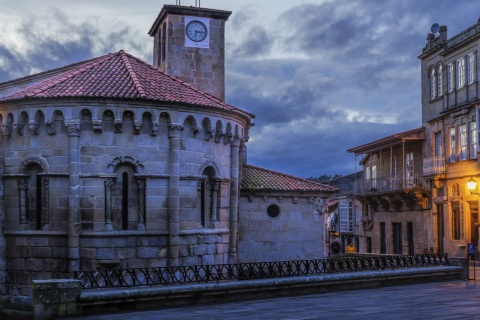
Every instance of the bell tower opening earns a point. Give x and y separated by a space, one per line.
189 44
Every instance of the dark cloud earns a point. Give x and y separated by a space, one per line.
258 42
60 42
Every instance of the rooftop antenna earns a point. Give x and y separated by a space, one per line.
435 27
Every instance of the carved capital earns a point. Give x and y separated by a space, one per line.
6 130
97 125
219 135
174 130
73 129
197 130
19 127
50 127
33 127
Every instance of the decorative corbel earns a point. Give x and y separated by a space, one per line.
97 126
50 127
33 127
197 130
155 127
219 135
6 130
228 138
19 127
118 125
138 126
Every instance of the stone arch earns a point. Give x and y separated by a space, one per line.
208 133
108 121
7 125
190 129
34 193
219 131
209 164
125 195
127 124
208 192
135 163
34 159
147 124
22 120
228 134
56 124
86 119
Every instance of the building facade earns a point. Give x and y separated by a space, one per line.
115 163
394 196
450 109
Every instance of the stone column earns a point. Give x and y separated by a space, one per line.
22 188
234 193
73 128
173 193
46 221
141 204
214 204
108 203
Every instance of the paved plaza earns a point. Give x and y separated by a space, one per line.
440 300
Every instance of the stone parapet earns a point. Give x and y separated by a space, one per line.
54 299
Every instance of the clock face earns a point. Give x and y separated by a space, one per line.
196 31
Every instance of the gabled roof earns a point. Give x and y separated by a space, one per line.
115 76
392 140
260 179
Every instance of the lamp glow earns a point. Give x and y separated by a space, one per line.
471 185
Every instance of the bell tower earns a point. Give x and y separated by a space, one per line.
189 43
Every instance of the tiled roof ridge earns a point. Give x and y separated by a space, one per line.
50 82
132 74
287 175
206 94
41 73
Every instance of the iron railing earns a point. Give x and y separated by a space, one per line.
240 271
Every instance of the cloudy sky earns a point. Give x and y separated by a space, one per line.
321 76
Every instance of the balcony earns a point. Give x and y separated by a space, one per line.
389 184
433 165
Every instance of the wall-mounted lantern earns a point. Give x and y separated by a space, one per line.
472 185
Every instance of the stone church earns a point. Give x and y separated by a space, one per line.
116 163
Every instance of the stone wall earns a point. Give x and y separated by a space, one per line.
297 233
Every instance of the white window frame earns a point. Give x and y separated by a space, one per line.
463 142
460 73
471 68
345 208
433 84
450 76
452 145
473 140
440 80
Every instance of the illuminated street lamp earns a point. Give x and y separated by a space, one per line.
472 185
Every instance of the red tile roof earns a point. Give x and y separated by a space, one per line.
118 76
260 179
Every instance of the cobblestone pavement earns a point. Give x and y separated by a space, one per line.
439 300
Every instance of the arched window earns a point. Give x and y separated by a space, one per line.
433 84
440 80
124 195
34 198
208 192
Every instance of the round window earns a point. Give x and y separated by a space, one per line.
273 211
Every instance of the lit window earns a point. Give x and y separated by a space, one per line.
462 130
460 73
452 145
409 170
374 176
471 68
440 80
346 216
473 140
450 77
